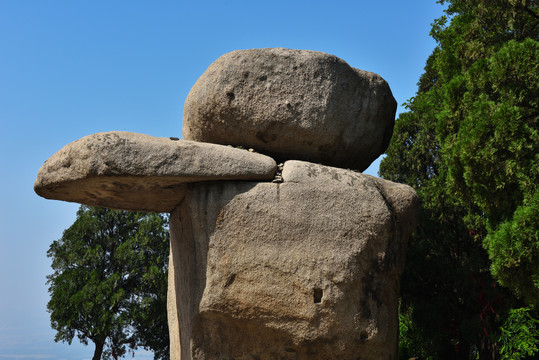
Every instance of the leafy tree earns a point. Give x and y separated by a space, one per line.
469 146
109 282
520 335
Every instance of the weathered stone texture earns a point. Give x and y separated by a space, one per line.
300 261
292 104
305 269
131 171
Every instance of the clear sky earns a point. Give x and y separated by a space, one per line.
72 68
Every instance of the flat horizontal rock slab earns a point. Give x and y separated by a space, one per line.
129 171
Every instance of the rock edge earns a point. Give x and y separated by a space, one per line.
140 172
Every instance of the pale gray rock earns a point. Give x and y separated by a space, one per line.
292 104
139 172
304 269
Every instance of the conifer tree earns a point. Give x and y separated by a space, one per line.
469 145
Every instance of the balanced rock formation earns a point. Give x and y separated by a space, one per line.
291 261
292 104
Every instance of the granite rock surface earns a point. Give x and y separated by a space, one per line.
292 104
304 269
130 171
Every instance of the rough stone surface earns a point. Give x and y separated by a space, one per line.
140 172
297 261
292 104
304 269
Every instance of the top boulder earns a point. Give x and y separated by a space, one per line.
292 104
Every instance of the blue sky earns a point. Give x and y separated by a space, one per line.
72 68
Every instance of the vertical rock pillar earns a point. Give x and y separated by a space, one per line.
303 269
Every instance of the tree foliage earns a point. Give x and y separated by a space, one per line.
469 145
519 335
109 282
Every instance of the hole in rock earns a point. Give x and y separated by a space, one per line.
230 280
364 335
317 295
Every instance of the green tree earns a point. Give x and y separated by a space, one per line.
109 282
446 294
519 335
469 146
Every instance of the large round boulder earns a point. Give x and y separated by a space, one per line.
292 104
